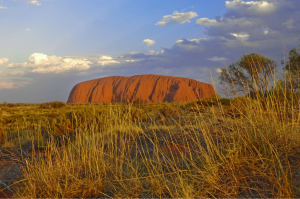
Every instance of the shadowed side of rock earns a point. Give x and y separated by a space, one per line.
151 88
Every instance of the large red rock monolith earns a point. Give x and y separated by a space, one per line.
152 88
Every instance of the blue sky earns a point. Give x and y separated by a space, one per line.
48 46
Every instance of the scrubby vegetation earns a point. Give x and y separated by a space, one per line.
246 146
209 148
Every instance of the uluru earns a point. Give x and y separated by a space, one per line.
150 88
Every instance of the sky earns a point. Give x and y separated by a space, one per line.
48 46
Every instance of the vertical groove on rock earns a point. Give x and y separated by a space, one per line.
154 88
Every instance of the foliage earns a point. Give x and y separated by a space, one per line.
293 63
292 77
256 94
55 104
251 72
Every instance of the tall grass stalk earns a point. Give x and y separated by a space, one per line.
249 149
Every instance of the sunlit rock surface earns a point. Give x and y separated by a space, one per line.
152 88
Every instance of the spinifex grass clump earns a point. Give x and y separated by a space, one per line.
205 154
247 147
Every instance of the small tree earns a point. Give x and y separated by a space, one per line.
252 72
292 67
293 64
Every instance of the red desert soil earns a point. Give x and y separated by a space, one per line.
6 194
152 88
176 149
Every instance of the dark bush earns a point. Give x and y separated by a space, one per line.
55 104
207 102
45 105
225 101
10 105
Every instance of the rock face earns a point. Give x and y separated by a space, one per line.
152 88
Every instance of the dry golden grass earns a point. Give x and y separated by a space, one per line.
249 148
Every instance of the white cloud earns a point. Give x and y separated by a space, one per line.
106 60
17 73
190 44
3 61
219 70
220 43
18 65
6 85
241 36
197 40
289 23
105 57
10 85
215 58
192 40
152 52
1 7
243 22
34 2
267 31
176 18
42 63
149 42
251 7
129 60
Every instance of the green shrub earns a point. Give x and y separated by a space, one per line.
225 101
207 102
55 104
